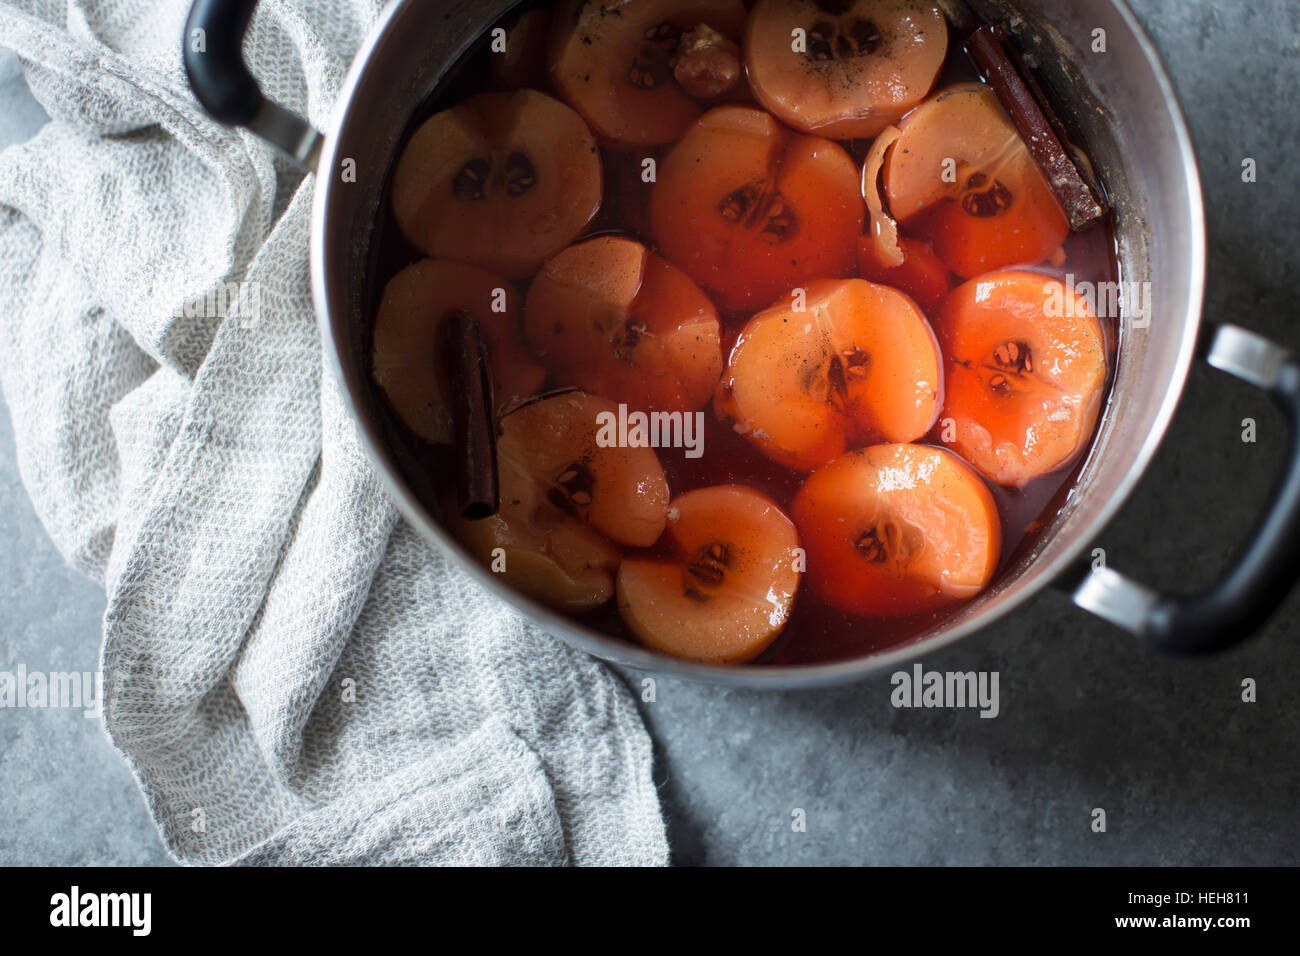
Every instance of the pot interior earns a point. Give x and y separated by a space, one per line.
1117 102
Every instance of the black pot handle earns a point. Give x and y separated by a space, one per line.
214 65
1261 576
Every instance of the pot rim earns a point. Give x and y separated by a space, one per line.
784 677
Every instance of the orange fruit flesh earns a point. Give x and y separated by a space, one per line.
566 504
749 210
859 363
614 64
407 351
501 181
896 530
728 585
961 178
680 351
621 492
618 321
1026 233
862 66
1024 385
539 549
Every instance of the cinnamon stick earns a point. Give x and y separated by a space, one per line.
1044 133
469 382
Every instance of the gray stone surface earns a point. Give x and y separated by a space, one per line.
1187 773
67 798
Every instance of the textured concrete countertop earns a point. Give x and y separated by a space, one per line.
1187 772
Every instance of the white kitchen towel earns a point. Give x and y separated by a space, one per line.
292 675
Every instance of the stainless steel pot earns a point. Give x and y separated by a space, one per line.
1122 104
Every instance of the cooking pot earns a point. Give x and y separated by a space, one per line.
1121 104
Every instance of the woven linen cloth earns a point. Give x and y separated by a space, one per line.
292 675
